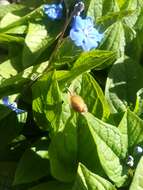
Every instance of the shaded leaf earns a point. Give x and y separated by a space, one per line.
123 82
9 127
52 185
34 164
63 152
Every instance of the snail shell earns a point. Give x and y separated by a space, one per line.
78 104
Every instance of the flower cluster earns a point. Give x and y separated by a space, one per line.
12 106
133 159
82 32
53 11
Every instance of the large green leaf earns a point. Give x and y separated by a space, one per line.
38 38
131 126
63 152
111 148
52 185
16 83
34 163
123 82
137 183
87 147
87 180
47 102
96 59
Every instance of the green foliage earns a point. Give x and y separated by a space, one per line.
53 145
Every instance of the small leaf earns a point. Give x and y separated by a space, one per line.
86 180
131 126
139 103
137 183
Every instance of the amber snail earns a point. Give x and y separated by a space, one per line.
77 103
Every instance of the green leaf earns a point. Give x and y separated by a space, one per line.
63 152
131 127
8 19
47 102
137 183
38 38
9 127
7 70
66 57
87 180
96 59
4 9
132 5
100 8
52 185
34 163
111 148
6 39
16 83
37 13
123 82
6 174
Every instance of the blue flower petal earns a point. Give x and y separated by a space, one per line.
12 106
84 34
89 44
77 37
88 22
5 100
78 23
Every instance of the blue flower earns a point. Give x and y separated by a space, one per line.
53 11
84 34
12 106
